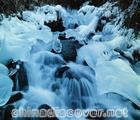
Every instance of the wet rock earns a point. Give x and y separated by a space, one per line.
90 35
67 71
18 75
60 71
134 21
69 49
72 26
15 98
125 55
45 108
69 52
6 112
136 55
102 21
56 25
62 36
55 87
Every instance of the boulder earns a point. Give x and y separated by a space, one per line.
69 49
56 25
60 71
6 112
14 98
134 21
18 75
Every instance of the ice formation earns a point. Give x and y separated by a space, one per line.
6 85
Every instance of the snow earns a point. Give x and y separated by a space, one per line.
94 52
118 77
6 85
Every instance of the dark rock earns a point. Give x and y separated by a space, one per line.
56 25
73 4
135 106
123 4
133 21
90 35
43 113
85 63
15 98
97 2
136 55
68 73
72 26
71 75
6 112
60 71
102 21
62 36
69 49
18 75
124 55
53 51
55 87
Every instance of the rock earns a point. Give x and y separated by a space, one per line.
56 25
90 35
97 2
72 26
60 71
102 21
69 52
6 112
55 87
62 36
123 4
18 75
136 55
15 98
125 55
134 21
47 108
69 49
73 4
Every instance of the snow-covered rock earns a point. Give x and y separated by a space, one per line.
94 52
6 85
116 76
